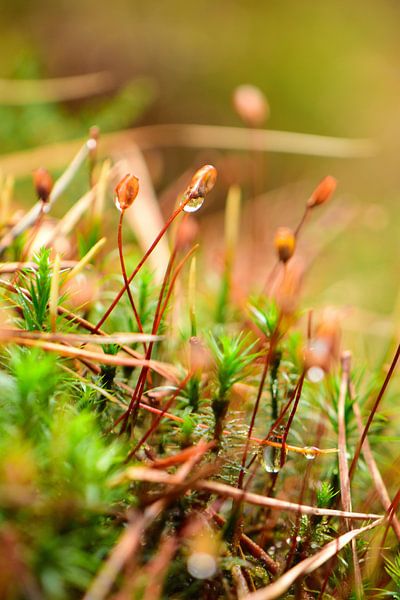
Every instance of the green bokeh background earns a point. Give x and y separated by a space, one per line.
329 67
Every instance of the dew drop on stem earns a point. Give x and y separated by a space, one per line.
271 459
310 452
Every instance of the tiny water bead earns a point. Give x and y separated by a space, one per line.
289 540
193 204
117 203
201 184
310 452
271 459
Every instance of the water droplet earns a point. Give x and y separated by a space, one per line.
310 452
117 204
193 204
271 459
201 565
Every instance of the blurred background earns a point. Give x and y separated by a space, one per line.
329 68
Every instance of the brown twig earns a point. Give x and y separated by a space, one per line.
308 565
343 466
228 491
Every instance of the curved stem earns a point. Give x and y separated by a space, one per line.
139 266
291 417
373 411
165 295
256 406
302 221
132 408
158 418
125 277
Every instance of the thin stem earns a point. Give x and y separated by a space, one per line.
379 484
160 310
125 277
293 541
133 405
157 420
277 421
302 221
291 417
256 406
373 411
139 266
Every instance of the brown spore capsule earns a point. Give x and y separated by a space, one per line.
126 192
201 184
43 183
285 243
322 192
251 105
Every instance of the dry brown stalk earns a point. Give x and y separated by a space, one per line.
70 316
11 267
193 136
105 359
242 589
118 338
57 89
158 566
227 491
343 466
60 185
310 564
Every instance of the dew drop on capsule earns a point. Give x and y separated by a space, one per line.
271 459
201 184
193 204
310 452
117 203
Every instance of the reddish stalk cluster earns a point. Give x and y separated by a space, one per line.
126 191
